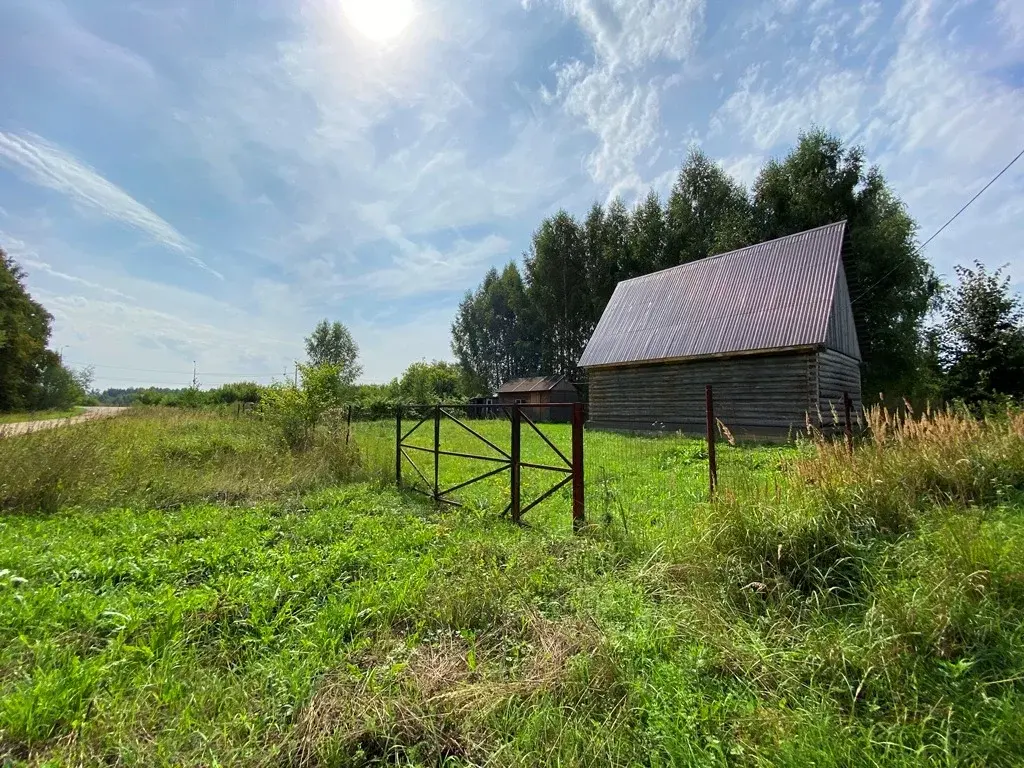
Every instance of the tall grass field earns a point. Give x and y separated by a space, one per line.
180 588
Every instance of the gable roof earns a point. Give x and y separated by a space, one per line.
536 384
773 295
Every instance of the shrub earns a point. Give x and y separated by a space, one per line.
298 411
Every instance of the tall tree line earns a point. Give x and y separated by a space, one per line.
537 320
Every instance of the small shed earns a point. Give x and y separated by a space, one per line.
541 390
770 327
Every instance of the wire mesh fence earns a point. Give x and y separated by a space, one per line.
464 454
648 473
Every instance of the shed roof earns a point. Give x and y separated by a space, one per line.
774 295
536 384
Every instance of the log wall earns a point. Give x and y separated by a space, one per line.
770 396
755 395
837 373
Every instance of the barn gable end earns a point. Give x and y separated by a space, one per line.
842 332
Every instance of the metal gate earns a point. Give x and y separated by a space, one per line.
570 469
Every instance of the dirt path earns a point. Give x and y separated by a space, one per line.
24 427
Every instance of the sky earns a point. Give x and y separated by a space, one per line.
192 181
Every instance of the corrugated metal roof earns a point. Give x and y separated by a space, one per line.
776 294
536 384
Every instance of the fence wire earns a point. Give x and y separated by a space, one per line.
645 476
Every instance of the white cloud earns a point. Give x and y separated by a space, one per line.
766 115
1011 16
870 12
48 166
936 115
631 33
947 125
44 267
418 270
616 97
625 119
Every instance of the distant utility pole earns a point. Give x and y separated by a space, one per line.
296 373
195 378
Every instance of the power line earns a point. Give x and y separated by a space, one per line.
937 232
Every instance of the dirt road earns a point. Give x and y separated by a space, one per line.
24 427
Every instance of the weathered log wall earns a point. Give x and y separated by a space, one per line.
769 396
758 395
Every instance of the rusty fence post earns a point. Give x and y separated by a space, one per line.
514 466
348 426
398 446
847 410
712 462
437 451
578 506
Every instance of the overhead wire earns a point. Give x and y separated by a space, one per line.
939 231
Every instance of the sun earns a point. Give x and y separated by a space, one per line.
379 20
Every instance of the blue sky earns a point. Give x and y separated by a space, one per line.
188 180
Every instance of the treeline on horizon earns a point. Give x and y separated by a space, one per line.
537 319
421 382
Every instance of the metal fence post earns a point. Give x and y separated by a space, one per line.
712 462
847 409
578 508
514 466
348 426
437 451
398 446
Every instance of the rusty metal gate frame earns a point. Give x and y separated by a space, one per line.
510 460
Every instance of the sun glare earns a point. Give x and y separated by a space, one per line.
379 20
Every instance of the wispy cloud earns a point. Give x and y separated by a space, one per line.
418 270
767 114
616 96
46 165
927 106
631 33
29 259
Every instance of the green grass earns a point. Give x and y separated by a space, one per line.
14 418
821 611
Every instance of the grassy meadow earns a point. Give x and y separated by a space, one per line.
179 589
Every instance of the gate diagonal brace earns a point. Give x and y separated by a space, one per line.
475 479
554 489
418 425
544 437
475 434
418 472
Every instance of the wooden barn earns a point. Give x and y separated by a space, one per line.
547 390
769 327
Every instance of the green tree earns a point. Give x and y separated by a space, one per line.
648 238
436 382
708 213
24 333
613 263
893 287
493 333
557 289
59 387
332 344
983 341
